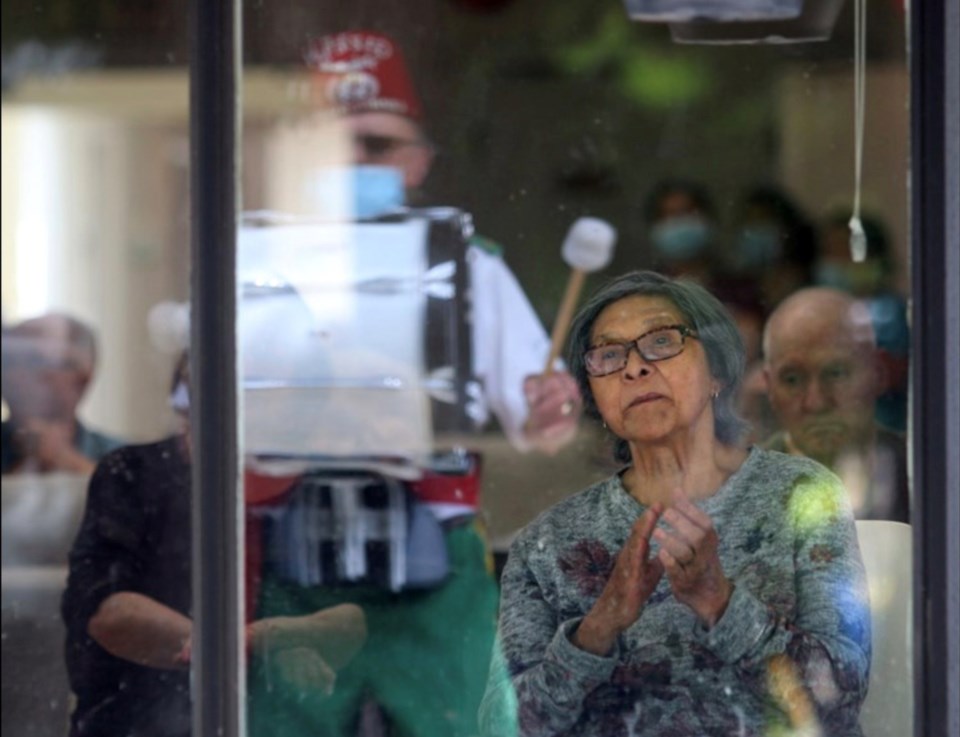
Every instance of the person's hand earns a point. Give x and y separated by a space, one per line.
307 651
635 576
47 446
554 408
304 669
185 655
336 633
688 552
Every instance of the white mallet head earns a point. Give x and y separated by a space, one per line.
168 325
589 244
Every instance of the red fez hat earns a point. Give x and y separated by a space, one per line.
362 71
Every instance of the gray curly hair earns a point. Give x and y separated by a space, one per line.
703 312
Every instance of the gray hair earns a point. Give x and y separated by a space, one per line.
59 326
702 312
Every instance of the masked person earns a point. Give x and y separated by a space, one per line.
427 656
682 228
48 364
774 243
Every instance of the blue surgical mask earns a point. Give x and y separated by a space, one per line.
859 278
682 237
758 245
179 399
829 274
357 192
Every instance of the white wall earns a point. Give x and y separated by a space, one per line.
817 146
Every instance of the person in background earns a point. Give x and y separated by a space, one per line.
703 589
742 298
48 365
681 221
774 243
872 280
823 378
127 602
425 663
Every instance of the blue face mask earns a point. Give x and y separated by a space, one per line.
179 399
681 238
862 278
358 192
828 274
758 245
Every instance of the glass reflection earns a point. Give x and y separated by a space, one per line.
524 119
377 338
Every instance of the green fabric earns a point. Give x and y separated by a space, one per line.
485 244
425 661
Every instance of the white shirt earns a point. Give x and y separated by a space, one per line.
508 341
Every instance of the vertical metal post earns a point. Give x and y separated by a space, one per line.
218 665
935 416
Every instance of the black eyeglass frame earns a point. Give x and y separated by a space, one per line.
628 345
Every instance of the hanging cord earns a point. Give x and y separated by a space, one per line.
858 239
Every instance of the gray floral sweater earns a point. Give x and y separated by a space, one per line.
788 544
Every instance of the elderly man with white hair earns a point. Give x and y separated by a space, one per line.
823 379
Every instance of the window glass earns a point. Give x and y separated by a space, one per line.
369 135
95 262
429 190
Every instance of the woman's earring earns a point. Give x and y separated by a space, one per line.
716 394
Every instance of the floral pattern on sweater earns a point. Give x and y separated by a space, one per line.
788 544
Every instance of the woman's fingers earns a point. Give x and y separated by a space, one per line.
692 512
637 547
678 542
643 528
671 566
636 574
645 525
688 532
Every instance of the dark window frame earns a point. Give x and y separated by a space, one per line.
218 653
935 359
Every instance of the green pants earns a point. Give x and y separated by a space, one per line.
425 661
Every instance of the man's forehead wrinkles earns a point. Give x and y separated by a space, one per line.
811 353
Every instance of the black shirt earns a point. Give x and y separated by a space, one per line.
135 536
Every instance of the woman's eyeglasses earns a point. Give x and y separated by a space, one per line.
655 345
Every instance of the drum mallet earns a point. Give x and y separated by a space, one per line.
588 247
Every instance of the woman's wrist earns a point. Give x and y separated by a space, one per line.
592 638
712 613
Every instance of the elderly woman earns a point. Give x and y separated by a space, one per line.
704 589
